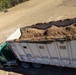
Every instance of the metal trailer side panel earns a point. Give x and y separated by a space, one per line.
54 56
45 55
35 51
15 50
19 49
54 53
43 50
73 47
64 52
20 52
52 50
34 54
28 51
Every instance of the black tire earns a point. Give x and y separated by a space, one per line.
1 66
37 65
25 65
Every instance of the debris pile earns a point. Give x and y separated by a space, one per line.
50 32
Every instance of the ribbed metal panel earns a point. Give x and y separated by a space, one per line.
53 53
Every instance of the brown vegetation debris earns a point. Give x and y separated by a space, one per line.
50 32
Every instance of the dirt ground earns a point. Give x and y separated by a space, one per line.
35 11
8 73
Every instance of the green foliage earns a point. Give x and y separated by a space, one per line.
4 4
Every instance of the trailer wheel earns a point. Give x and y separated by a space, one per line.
36 65
25 65
1 66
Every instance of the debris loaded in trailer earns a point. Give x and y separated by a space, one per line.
64 29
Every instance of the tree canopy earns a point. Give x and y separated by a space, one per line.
4 4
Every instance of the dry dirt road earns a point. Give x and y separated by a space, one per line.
35 11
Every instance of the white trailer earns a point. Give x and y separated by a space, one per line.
57 52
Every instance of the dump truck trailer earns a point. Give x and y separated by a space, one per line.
35 49
59 53
51 53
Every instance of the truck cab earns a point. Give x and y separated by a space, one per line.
6 54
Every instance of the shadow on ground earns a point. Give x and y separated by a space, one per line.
45 70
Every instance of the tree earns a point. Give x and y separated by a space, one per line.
4 4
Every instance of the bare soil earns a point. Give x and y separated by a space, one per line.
69 3
35 11
8 73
